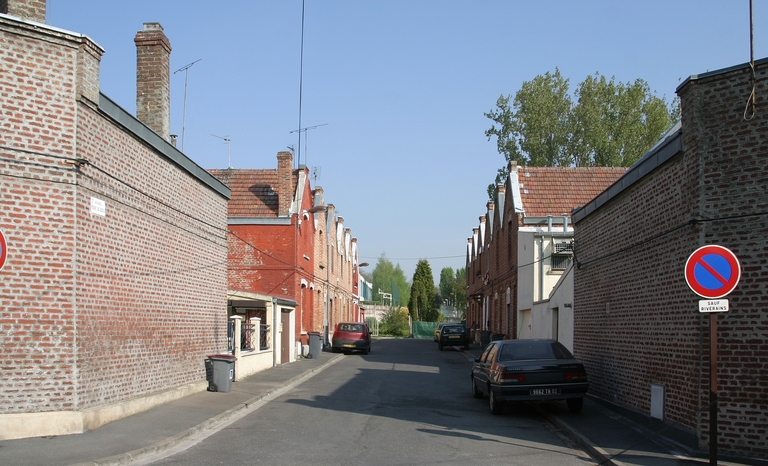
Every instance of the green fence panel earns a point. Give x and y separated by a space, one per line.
424 329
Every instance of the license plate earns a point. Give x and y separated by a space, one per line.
349 345
545 391
454 336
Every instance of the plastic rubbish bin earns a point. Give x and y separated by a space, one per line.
223 372
315 344
485 338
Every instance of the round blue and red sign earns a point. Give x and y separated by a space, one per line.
712 271
3 250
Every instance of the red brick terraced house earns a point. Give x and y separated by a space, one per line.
286 243
336 297
271 245
522 247
116 243
637 324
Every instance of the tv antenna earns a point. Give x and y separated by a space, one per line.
316 173
227 140
185 69
304 130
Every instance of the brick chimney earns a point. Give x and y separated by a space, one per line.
153 79
284 183
28 10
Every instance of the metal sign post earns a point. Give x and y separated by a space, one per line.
712 272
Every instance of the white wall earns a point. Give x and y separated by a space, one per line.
561 298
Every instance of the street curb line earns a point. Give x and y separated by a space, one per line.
602 456
167 444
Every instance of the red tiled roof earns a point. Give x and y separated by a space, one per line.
556 190
254 191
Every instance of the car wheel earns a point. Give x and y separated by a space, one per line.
575 404
475 392
496 406
365 351
440 345
334 350
466 346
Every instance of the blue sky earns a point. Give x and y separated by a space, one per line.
399 86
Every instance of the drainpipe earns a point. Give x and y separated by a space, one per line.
274 332
236 337
541 264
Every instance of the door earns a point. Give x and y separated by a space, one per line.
285 337
524 324
555 323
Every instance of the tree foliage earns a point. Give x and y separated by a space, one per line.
390 278
611 123
422 302
453 287
395 323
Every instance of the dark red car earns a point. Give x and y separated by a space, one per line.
351 336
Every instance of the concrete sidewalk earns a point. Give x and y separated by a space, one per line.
610 436
162 428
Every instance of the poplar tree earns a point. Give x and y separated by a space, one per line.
611 124
422 302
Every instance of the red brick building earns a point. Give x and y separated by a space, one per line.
285 242
637 323
271 243
116 241
336 296
511 255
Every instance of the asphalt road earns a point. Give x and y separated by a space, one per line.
405 403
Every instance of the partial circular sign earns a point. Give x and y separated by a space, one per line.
712 271
3 250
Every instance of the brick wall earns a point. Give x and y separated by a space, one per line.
636 320
37 350
97 309
152 272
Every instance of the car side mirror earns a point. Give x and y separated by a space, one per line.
470 359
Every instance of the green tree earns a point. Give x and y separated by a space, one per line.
534 131
612 124
422 301
446 285
390 278
395 323
460 289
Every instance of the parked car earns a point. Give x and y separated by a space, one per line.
453 335
528 370
350 336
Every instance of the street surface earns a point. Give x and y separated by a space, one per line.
404 403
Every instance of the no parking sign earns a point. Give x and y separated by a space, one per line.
3 250
712 272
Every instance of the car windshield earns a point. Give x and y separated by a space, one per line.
534 350
351 327
453 329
